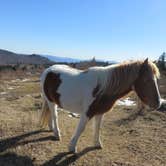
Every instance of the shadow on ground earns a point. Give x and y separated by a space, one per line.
17 140
130 118
152 115
12 159
66 158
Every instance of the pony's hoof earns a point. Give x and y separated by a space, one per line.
98 146
57 137
72 149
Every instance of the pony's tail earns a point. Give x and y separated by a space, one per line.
45 114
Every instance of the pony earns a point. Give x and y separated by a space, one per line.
94 91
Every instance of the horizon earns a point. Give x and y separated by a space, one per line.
107 30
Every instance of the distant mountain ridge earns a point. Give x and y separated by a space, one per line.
59 59
62 59
9 58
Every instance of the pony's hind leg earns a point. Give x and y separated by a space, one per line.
97 125
53 121
80 128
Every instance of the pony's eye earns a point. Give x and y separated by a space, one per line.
147 79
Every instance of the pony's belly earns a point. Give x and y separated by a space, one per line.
76 101
72 105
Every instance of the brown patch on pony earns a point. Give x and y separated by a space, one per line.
119 83
51 84
104 103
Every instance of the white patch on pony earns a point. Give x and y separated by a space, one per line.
76 92
76 89
158 91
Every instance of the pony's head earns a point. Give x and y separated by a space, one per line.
146 84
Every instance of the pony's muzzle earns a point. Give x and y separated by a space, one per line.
162 107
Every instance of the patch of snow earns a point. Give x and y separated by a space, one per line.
25 80
74 115
16 80
3 93
126 102
10 88
28 95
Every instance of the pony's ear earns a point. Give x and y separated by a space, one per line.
144 65
146 61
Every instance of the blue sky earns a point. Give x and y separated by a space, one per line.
107 29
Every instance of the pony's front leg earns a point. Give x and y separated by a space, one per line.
97 124
50 123
80 128
53 121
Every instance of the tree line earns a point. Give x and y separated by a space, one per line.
162 61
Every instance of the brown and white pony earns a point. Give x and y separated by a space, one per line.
93 92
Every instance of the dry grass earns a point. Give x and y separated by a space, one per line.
129 138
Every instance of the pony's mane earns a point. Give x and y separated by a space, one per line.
152 65
121 76
155 69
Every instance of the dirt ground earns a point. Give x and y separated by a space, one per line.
129 138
